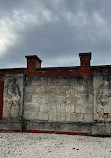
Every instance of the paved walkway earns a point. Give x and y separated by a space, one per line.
32 145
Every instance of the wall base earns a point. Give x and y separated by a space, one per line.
88 129
57 126
11 125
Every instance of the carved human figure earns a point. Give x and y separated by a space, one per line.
13 98
104 93
103 96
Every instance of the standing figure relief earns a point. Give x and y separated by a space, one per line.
13 96
104 93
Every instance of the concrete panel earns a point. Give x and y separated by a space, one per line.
101 129
88 118
102 96
13 96
62 99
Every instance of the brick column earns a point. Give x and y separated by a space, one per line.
33 62
85 64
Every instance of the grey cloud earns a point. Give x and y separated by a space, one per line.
56 31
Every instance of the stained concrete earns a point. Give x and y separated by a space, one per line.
59 99
13 102
102 96
65 104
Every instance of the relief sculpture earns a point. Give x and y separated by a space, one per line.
104 96
104 93
13 96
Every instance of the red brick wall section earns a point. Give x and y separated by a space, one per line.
77 72
1 95
85 61
31 67
71 72
34 68
33 62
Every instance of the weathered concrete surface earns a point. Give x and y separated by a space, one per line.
65 104
13 102
59 99
11 125
101 128
58 126
102 103
102 96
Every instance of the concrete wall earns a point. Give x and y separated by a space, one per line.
59 99
65 104
102 96
69 99
13 100
13 96
102 103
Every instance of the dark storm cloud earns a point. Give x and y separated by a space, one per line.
55 30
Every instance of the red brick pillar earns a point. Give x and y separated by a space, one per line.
1 93
33 62
85 64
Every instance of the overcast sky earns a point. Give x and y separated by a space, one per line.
54 30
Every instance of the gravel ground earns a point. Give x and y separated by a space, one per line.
33 145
